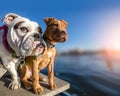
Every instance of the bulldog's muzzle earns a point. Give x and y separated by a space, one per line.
34 45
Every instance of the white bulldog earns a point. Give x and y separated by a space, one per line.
19 38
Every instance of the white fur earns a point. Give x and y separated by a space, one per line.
9 64
14 41
15 38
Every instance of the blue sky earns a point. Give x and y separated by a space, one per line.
92 24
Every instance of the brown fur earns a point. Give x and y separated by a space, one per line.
55 32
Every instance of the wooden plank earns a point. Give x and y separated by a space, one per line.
2 70
4 91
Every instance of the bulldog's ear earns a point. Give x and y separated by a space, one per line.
48 20
9 18
64 22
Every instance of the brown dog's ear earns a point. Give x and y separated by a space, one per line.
48 20
64 22
9 18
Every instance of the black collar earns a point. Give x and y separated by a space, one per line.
47 41
49 45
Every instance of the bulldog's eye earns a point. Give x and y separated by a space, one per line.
24 29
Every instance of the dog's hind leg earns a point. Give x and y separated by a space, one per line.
41 78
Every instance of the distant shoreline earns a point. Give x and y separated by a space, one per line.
107 53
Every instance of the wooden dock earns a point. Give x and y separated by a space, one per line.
5 80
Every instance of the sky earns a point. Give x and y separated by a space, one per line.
92 24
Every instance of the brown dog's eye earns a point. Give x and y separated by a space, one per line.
56 25
24 29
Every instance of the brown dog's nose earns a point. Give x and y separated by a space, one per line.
63 32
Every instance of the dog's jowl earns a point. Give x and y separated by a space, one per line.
19 37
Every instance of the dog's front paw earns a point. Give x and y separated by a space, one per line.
38 89
53 86
14 85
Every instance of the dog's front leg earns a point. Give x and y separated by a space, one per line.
15 84
51 75
36 86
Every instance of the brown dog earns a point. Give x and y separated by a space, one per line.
55 32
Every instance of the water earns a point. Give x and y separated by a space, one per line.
90 75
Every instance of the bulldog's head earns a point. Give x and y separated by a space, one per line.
56 30
24 36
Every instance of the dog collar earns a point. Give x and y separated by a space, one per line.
5 42
50 45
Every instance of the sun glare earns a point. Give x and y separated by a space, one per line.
117 46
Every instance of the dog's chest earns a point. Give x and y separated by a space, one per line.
46 59
49 54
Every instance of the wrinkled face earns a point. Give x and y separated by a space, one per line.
56 30
25 37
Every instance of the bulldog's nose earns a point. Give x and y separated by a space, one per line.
37 36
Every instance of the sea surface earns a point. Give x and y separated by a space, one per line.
90 75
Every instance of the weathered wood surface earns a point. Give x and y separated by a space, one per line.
2 70
4 91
